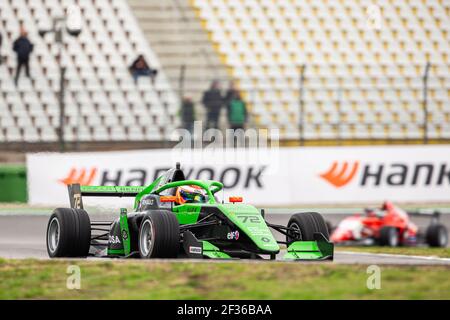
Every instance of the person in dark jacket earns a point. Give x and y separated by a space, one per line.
237 110
213 102
140 68
187 114
23 48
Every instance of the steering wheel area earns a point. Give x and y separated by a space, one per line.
211 187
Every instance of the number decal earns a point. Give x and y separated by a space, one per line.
251 219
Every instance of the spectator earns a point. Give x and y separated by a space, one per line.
187 113
140 68
23 48
213 101
237 111
230 93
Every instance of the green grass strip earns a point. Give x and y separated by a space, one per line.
46 279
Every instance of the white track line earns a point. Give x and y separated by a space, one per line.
389 255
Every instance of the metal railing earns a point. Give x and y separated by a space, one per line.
307 94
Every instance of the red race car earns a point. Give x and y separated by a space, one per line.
389 226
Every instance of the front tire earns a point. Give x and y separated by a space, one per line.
68 233
437 235
306 225
159 235
389 237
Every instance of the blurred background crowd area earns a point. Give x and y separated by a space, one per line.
326 72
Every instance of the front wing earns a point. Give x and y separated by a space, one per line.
319 249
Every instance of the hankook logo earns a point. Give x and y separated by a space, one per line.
420 174
83 177
341 175
250 176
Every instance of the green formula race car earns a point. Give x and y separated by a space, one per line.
178 218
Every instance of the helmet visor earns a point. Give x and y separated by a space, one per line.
192 196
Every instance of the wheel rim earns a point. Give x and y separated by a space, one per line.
394 238
296 227
146 238
53 235
442 238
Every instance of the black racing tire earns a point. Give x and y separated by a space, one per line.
306 224
436 235
389 237
68 233
163 229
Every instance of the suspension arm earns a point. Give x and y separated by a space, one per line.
198 225
282 229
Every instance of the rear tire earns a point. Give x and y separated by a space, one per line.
306 224
437 235
68 233
159 235
389 237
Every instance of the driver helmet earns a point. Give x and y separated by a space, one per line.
370 212
190 194
387 205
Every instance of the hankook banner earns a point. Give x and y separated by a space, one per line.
285 176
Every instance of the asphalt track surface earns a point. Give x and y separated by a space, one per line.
23 236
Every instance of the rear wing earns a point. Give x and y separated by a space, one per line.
77 192
434 215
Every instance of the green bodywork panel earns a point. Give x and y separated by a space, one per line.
124 231
187 213
116 252
246 217
249 220
211 251
124 236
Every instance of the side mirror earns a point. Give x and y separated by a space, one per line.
235 199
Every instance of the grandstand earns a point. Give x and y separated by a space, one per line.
361 62
103 102
177 37
362 79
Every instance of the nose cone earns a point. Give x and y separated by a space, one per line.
249 220
335 236
340 235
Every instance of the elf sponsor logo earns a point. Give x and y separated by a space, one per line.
195 250
230 176
233 235
113 239
388 174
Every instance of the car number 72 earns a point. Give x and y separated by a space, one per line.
251 219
